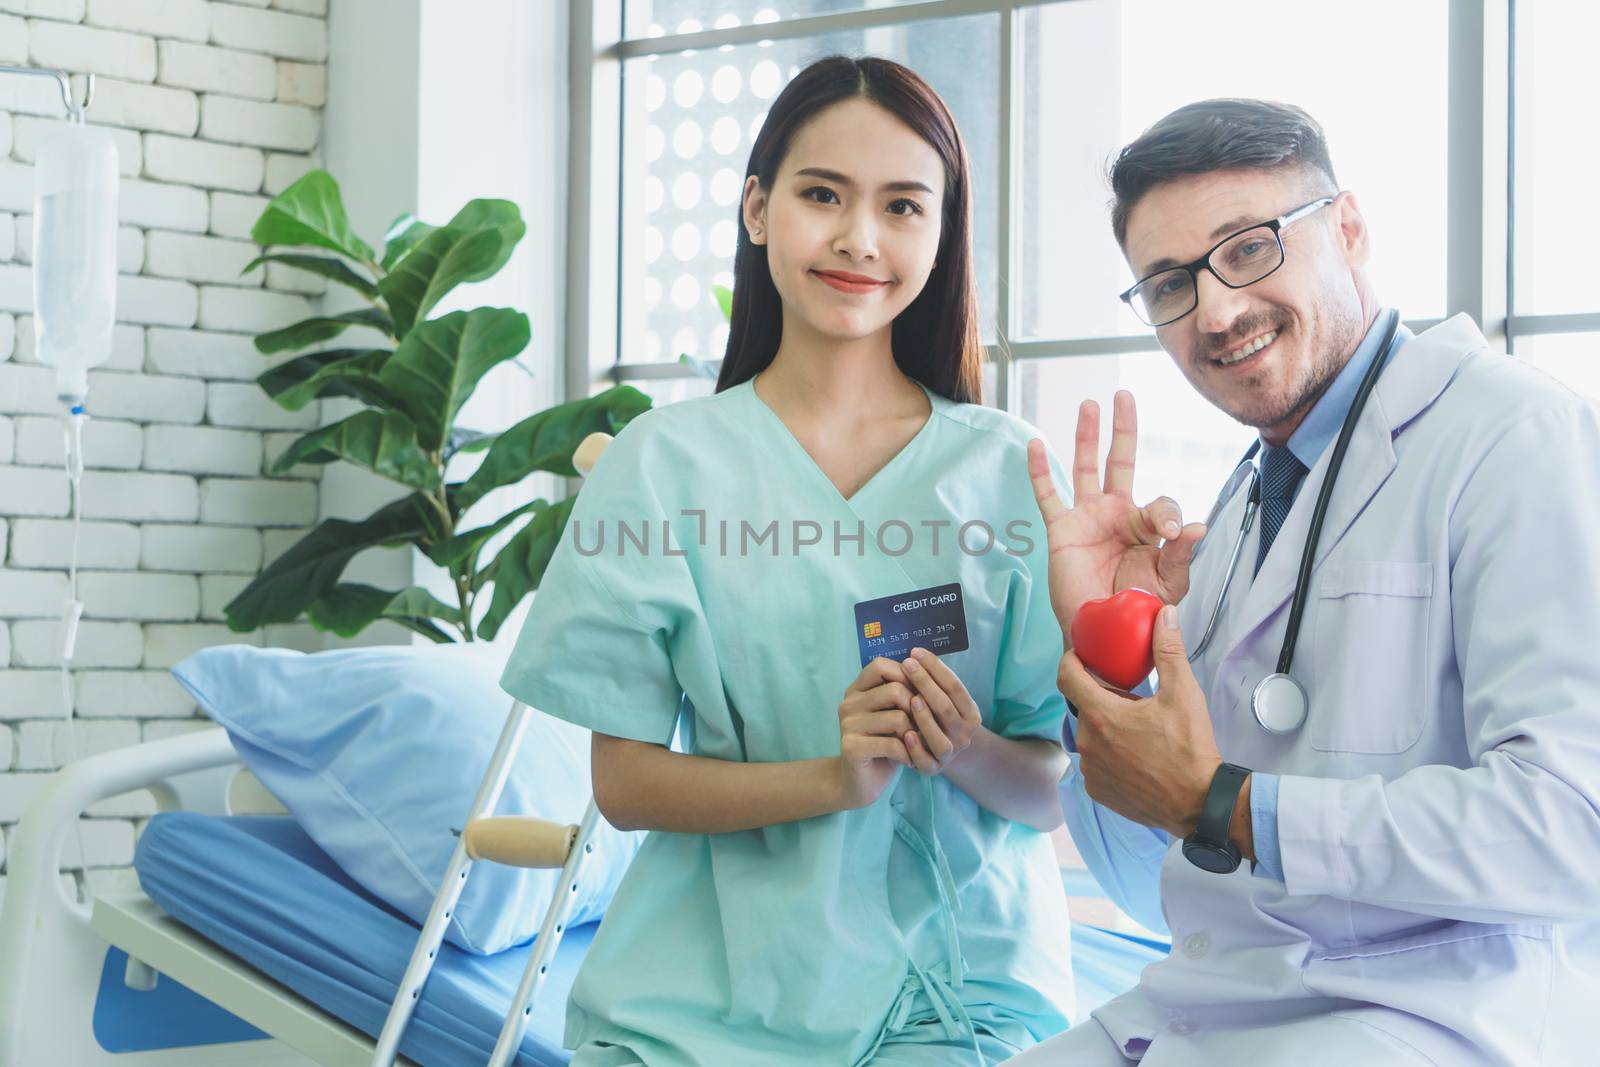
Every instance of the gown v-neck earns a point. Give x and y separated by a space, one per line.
901 455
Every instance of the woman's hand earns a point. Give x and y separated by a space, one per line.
944 713
873 717
1103 543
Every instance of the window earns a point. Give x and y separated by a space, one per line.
1419 115
1557 157
1096 73
1554 298
689 120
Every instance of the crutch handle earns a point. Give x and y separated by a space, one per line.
589 450
519 841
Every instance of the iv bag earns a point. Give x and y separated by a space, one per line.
74 253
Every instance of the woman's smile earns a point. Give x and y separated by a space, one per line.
846 282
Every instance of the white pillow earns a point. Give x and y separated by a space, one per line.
378 753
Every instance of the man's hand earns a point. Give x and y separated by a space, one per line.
1150 760
1103 543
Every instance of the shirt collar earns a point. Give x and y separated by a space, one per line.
1322 423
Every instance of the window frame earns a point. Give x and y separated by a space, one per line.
1480 195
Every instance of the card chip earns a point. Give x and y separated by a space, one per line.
872 629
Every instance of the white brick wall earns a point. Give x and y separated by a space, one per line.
240 404
283 126
232 215
202 450
201 549
249 310
214 107
47 543
214 166
198 354
245 502
37 643
220 70
275 33
107 444
202 259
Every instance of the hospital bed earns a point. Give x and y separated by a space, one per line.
244 910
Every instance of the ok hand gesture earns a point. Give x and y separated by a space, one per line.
1103 543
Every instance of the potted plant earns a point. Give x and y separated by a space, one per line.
411 378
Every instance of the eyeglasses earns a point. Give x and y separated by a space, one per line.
1238 260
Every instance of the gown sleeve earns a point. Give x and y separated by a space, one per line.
598 645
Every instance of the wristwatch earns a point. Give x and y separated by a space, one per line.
1209 847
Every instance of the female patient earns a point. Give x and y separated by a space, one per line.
850 865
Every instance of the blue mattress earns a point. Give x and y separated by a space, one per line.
259 887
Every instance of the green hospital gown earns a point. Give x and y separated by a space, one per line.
921 919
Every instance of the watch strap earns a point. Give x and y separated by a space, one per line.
1216 814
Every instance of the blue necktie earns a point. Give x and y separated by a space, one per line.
1280 477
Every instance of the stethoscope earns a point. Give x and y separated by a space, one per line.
1279 702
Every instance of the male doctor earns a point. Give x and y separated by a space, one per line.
1404 868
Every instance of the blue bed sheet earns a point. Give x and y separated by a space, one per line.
259 887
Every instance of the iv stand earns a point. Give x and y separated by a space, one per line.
72 607
75 110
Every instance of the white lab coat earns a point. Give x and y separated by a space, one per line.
1439 812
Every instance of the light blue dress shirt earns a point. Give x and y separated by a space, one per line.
1315 435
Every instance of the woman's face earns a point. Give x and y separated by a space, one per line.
852 221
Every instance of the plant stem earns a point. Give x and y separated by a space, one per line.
441 503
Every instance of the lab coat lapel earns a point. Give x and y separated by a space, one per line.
1415 377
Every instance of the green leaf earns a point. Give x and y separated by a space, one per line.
546 441
521 564
469 248
440 363
348 608
334 269
464 440
312 565
404 233
453 552
310 212
323 328
724 297
337 372
385 442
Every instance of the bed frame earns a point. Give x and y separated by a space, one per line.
53 949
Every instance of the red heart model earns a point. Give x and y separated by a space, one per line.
1112 636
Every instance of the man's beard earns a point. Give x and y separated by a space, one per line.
1245 403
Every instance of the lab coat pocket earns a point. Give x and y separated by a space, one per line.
1421 977
1372 677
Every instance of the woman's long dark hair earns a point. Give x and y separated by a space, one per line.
935 339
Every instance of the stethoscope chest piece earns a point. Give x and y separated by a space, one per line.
1280 704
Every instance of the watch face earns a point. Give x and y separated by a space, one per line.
1210 857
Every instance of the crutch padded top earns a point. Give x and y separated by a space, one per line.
519 841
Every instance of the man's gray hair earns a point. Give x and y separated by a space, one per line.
1212 135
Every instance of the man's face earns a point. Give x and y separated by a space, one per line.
1308 312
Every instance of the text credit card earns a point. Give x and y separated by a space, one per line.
891 626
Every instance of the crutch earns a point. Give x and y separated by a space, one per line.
515 841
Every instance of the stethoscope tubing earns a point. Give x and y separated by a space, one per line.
1302 585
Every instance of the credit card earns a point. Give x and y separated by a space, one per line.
891 626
